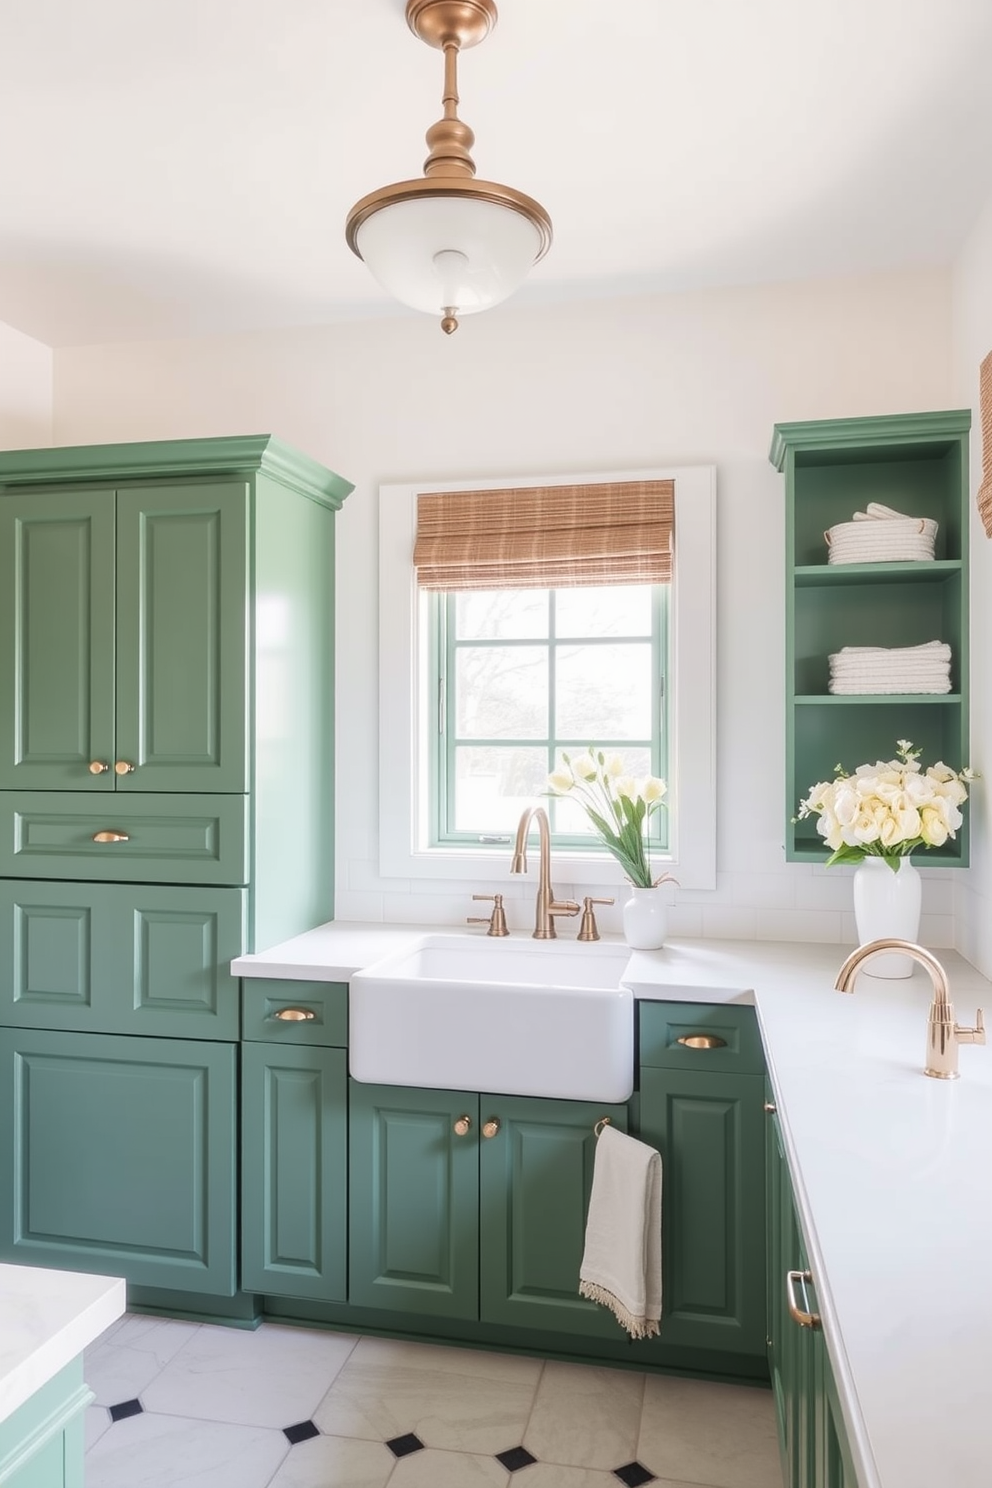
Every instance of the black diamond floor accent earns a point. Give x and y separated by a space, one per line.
515 1458
634 1475
301 1432
402 1446
125 1409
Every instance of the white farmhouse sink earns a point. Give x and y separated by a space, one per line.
514 1017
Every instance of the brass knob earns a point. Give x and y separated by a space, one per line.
770 1107
123 767
110 837
295 1015
490 1127
463 1126
98 767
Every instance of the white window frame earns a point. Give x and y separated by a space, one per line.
404 710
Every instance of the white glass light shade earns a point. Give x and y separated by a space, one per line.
436 253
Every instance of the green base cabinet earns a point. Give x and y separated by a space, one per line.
812 1437
473 1207
42 1444
118 1155
916 464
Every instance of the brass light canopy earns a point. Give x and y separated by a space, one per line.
449 243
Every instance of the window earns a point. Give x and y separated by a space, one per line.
527 672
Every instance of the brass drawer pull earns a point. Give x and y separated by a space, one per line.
295 1015
111 837
702 1041
463 1126
490 1127
800 1315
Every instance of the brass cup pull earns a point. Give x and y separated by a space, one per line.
98 767
702 1041
110 837
800 1314
123 767
463 1126
295 1015
490 1127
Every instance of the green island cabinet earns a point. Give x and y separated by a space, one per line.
916 464
812 1436
166 793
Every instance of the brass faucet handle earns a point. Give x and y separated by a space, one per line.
563 907
974 1035
589 930
496 921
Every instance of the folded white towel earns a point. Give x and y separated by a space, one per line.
844 688
621 1264
928 651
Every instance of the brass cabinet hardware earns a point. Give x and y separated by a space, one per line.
295 1015
801 1315
491 1127
702 1041
589 930
123 767
98 767
463 1126
770 1107
603 1121
496 921
111 837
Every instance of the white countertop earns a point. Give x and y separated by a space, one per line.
47 1318
893 1176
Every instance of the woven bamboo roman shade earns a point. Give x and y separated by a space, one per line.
546 537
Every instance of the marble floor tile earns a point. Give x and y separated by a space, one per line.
585 1417
96 1423
176 1452
274 1377
449 1470
720 1435
454 1399
554 1475
124 1361
335 1462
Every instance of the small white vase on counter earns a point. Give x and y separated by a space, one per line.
645 919
887 907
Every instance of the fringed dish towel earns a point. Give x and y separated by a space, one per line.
621 1265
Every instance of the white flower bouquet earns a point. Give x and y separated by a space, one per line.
618 805
888 809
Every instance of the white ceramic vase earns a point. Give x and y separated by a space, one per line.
887 907
645 919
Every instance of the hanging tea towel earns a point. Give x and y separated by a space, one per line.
621 1265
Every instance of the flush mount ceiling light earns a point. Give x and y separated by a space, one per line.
449 244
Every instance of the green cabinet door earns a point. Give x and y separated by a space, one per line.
294 1171
182 644
708 1129
414 1200
535 1179
117 1155
57 619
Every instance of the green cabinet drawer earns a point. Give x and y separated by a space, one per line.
120 958
130 839
699 1036
277 1011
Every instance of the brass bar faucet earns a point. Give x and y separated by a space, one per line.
943 1034
547 905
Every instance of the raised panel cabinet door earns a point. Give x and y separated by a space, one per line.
294 1171
117 1155
414 1200
57 640
182 637
709 1131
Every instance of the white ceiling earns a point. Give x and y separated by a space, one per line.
186 167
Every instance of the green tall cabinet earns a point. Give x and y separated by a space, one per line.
166 789
916 464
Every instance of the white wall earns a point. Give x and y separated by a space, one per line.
611 384
972 342
25 391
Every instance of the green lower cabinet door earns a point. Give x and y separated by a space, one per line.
414 1200
294 1171
536 1164
117 1155
42 1443
786 1341
709 1130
